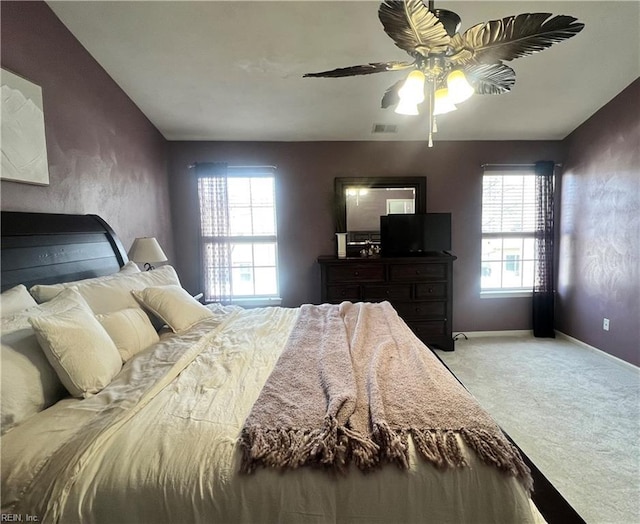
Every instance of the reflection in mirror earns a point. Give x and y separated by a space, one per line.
365 205
361 201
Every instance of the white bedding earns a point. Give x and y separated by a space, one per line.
159 444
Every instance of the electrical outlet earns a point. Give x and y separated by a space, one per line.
605 324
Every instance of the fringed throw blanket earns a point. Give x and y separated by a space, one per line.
352 384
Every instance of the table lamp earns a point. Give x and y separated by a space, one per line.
147 251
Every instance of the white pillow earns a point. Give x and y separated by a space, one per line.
29 383
130 329
79 349
45 292
173 305
114 294
15 300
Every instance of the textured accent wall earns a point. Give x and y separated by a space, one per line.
599 265
105 157
306 171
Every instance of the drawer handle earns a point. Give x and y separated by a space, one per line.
344 292
417 310
417 271
387 292
356 273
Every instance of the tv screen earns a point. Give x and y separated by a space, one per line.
415 235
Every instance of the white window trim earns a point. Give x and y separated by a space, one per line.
256 301
492 293
505 293
252 300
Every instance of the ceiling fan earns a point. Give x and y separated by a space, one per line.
449 66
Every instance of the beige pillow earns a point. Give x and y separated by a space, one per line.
115 294
130 329
177 308
15 300
45 292
79 349
29 383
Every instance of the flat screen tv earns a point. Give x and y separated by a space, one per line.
415 235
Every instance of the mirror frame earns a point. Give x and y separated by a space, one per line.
418 183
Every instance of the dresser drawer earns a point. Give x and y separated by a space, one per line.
429 330
418 288
433 290
344 292
417 272
352 272
421 310
386 292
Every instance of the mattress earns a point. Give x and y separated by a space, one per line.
160 444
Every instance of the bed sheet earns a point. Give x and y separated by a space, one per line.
159 444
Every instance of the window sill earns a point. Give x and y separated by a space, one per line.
506 294
256 302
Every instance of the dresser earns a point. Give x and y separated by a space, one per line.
419 288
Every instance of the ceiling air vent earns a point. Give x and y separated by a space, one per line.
385 128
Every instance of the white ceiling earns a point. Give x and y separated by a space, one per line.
232 70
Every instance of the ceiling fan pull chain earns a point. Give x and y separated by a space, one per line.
432 118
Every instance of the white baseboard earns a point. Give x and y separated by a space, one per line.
478 334
613 358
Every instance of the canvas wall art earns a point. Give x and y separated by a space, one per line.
23 144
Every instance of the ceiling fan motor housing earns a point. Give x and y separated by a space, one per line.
450 20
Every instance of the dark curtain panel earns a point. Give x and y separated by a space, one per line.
215 249
543 291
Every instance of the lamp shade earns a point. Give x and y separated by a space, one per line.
406 107
443 103
411 94
459 88
146 250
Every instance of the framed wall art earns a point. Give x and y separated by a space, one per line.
23 143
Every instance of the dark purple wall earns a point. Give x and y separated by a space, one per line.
599 266
104 156
304 198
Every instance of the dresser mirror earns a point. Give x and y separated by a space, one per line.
361 201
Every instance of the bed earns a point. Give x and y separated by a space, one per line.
177 433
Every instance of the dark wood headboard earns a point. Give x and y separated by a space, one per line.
46 248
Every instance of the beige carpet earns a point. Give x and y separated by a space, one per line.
574 412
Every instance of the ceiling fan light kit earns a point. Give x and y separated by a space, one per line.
449 67
411 93
458 87
442 102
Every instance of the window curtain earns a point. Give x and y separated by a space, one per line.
215 249
543 290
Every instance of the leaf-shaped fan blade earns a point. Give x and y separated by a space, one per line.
367 69
391 96
490 79
516 36
413 27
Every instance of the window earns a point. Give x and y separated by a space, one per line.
401 206
513 263
238 233
508 230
